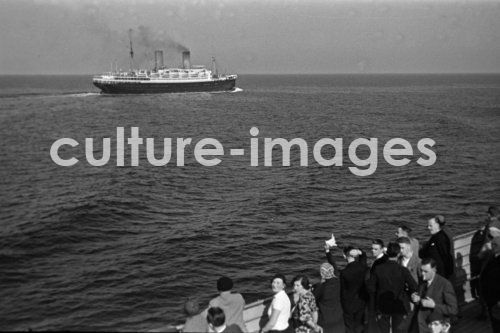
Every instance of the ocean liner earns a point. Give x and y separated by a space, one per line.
161 79
165 80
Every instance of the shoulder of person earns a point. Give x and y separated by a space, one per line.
214 302
233 328
441 280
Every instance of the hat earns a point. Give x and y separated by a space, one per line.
437 316
326 270
224 284
440 219
191 307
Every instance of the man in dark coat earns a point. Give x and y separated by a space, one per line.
478 257
439 248
379 256
391 285
352 288
490 285
411 261
435 293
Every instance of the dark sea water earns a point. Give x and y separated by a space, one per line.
121 248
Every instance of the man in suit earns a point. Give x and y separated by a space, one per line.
352 288
490 286
479 255
378 253
412 262
404 231
435 294
409 259
391 285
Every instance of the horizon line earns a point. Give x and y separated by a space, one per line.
277 74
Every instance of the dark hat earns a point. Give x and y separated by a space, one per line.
191 307
437 316
440 219
224 284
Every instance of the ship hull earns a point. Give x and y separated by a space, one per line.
148 87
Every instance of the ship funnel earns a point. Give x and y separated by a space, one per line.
158 59
186 60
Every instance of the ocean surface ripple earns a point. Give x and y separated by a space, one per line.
121 248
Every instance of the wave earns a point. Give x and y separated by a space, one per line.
48 94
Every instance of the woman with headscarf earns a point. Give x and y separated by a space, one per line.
327 294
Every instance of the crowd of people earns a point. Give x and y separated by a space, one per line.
407 287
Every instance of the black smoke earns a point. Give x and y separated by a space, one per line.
155 41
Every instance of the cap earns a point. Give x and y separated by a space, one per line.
440 219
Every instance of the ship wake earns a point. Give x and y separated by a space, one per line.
86 94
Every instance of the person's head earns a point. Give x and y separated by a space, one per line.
435 224
403 231
346 250
377 247
438 323
301 284
191 307
393 250
326 271
215 317
351 253
493 212
405 245
494 222
428 269
224 284
278 283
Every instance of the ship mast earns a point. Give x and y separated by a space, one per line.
131 50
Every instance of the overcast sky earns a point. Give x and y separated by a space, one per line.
303 36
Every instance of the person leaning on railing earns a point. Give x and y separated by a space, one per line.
279 310
307 310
